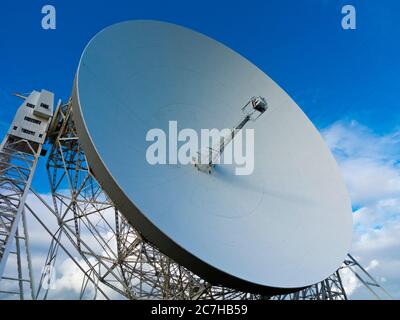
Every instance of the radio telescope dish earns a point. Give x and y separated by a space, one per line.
285 226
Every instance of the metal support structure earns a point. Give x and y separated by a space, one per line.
115 261
329 289
18 160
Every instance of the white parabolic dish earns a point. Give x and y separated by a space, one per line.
288 225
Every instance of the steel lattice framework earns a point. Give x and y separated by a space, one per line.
116 261
18 160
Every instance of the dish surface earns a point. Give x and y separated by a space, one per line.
287 225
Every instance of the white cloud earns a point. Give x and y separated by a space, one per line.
369 162
371 170
69 279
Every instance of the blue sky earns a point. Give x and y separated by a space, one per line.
345 80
